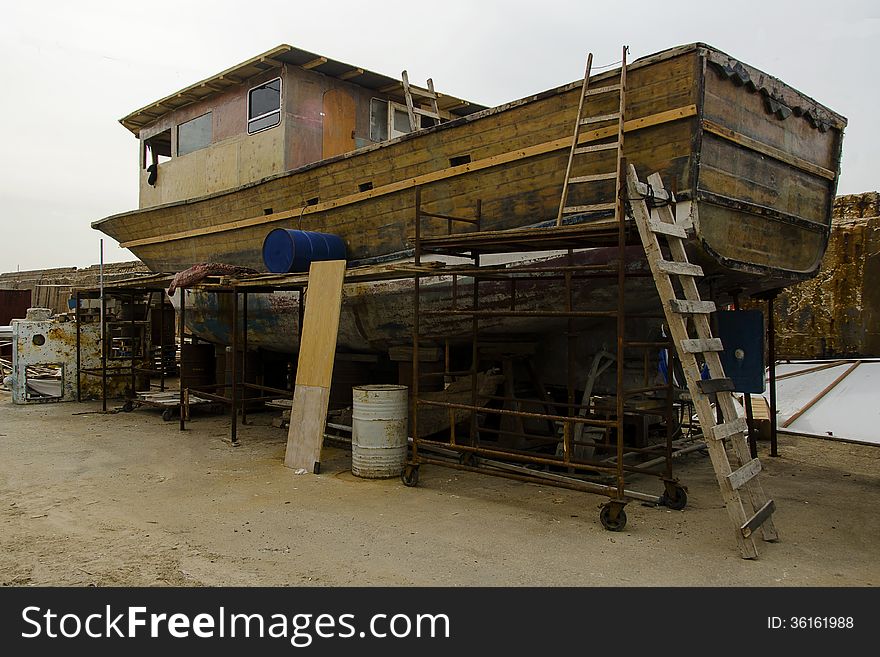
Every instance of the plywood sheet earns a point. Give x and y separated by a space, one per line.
306 433
321 323
314 371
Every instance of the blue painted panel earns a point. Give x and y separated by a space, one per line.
742 333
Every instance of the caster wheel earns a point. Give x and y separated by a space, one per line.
167 415
467 458
677 499
410 476
615 525
128 406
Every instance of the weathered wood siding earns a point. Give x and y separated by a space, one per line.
739 179
514 194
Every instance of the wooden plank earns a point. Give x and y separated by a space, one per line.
672 230
701 345
314 370
314 63
320 323
305 436
602 90
762 516
685 307
353 73
423 179
764 149
596 207
593 178
600 118
582 150
730 428
740 476
679 268
803 409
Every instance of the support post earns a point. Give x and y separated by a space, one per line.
104 339
181 333
77 319
244 349
132 329
161 341
234 323
771 356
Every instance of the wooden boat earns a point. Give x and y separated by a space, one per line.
754 161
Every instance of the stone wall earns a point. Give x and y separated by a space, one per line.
837 313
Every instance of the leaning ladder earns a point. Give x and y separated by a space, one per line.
584 119
733 482
411 90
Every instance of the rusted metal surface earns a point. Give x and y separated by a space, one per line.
510 300
54 343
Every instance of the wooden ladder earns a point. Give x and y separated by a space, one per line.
409 91
583 120
685 314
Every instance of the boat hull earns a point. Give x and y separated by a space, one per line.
761 182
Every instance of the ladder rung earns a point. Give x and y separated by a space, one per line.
699 345
728 429
428 113
581 150
758 519
572 209
741 476
711 386
673 230
421 92
600 118
684 306
602 90
679 268
593 178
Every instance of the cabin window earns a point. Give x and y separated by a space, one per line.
157 149
399 121
194 134
264 106
378 119
389 120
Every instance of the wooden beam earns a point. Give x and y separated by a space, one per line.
765 149
353 73
824 392
314 370
315 62
424 179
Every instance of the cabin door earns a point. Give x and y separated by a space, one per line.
339 122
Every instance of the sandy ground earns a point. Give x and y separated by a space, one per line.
126 499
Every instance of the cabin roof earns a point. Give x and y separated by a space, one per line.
284 54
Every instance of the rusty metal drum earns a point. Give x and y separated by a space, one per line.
379 430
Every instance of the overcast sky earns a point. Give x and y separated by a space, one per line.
72 69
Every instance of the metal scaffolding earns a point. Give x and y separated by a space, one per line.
477 452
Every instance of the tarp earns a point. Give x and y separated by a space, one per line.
848 410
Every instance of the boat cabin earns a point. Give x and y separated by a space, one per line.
276 112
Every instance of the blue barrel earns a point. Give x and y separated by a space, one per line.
288 250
